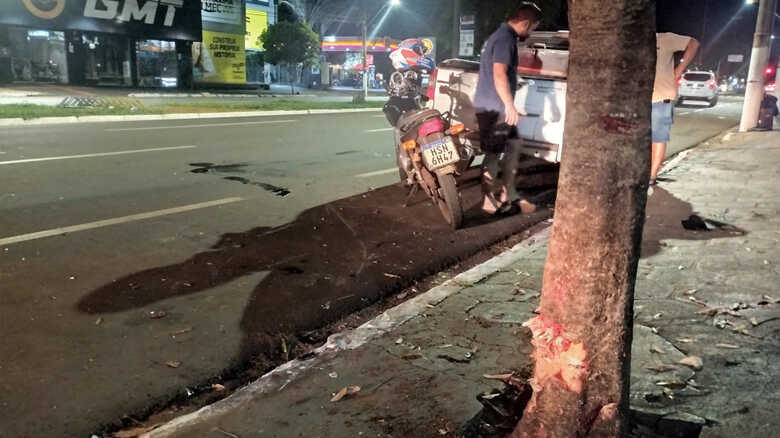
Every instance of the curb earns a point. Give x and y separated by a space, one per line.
185 116
386 322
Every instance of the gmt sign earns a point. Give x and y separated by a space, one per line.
147 19
132 10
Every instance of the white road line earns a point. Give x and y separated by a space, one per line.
115 221
380 130
204 125
102 154
377 173
685 113
380 115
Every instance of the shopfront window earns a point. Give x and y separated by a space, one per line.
107 59
37 55
157 63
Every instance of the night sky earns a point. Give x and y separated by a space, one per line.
723 26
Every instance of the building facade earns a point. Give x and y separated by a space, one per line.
134 43
97 42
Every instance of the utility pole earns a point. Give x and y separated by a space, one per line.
364 29
762 44
456 6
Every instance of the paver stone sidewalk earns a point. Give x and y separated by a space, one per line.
701 295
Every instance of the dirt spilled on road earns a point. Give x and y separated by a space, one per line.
332 261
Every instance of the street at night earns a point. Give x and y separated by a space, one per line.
346 218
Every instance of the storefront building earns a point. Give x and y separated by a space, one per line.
98 42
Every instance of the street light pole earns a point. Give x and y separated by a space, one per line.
364 30
762 44
456 6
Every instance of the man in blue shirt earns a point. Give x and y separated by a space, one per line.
495 106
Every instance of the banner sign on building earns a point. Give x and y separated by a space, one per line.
736 58
467 27
221 58
148 19
256 23
222 11
265 3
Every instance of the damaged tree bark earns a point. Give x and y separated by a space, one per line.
582 336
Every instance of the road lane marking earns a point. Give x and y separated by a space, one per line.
102 154
379 115
377 173
380 130
685 113
204 125
115 221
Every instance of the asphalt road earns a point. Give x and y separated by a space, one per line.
190 245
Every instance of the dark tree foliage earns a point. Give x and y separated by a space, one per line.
489 18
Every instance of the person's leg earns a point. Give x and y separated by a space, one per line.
659 152
662 120
487 125
509 165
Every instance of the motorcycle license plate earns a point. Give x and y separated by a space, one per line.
440 153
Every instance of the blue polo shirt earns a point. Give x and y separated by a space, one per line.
500 47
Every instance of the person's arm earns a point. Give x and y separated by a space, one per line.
690 53
501 82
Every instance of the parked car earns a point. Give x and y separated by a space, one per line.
700 86
541 95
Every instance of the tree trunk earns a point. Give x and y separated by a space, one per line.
582 335
292 79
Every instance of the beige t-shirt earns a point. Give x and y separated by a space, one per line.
665 82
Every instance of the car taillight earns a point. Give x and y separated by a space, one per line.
431 93
679 83
713 85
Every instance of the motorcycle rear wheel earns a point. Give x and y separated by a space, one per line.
449 201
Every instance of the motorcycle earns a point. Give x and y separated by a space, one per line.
430 151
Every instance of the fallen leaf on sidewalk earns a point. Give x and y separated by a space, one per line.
182 331
399 341
685 340
728 346
754 321
690 293
693 362
707 311
501 377
661 368
135 432
99 321
173 364
157 314
392 275
673 384
656 349
345 391
411 356
218 388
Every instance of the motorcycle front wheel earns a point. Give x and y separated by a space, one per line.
449 201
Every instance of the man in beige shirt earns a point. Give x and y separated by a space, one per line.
665 91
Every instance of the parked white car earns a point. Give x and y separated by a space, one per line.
700 86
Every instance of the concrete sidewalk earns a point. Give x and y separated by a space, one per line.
702 295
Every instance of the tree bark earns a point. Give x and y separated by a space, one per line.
582 335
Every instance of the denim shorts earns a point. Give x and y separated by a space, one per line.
663 119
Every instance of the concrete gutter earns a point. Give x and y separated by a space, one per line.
350 340
187 116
